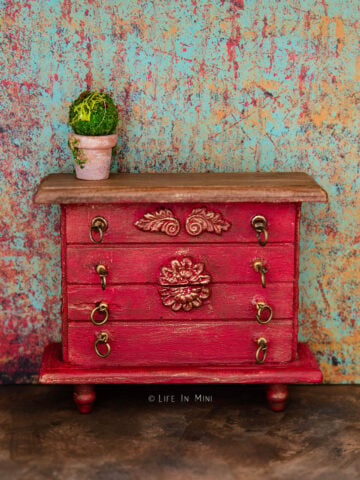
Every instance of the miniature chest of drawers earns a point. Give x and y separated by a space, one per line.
180 278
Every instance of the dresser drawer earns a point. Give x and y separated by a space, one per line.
144 302
175 343
218 222
144 263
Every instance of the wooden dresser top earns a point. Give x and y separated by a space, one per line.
182 187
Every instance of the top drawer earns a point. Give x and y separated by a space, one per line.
179 222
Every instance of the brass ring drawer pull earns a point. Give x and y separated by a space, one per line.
260 308
261 350
101 307
103 338
260 268
98 225
101 270
259 223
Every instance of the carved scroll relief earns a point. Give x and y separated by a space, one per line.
202 220
163 220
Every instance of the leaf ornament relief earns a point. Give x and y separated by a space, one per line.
202 220
163 220
184 284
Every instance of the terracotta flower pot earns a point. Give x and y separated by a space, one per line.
92 155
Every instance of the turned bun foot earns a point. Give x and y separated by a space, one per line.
84 397
277 394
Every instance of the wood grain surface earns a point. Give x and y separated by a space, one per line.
182 187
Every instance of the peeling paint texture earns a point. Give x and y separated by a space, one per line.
248 85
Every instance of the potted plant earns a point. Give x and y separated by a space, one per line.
93 116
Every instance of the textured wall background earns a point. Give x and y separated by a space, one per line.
201 85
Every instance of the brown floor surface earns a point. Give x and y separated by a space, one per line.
232 436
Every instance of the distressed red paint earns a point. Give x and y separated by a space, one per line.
192 115
203 284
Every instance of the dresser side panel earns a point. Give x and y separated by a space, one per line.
64 295
296 277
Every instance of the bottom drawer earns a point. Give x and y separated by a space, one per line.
178 343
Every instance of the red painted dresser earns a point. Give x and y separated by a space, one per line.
180 278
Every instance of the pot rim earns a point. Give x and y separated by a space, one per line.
92 141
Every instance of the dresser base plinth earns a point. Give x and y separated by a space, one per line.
303 370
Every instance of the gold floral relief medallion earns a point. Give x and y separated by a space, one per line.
184 284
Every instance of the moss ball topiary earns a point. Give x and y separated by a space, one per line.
93 113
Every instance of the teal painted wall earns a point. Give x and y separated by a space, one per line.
201 86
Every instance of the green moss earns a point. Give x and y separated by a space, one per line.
78 153
93 113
